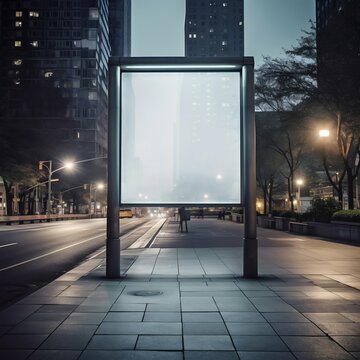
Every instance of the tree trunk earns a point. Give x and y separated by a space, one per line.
271 185
9 198
350 190
290 193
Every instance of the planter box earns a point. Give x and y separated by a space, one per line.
299 228
340 231
282 223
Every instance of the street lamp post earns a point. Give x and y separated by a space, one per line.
299 182
42 164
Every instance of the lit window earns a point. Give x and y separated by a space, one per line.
240 23
224 43
18 13
211 30
17 43
224 4
48 74
18 23
17 62
194 36
93 14
190 36
35 43
17 81
34 14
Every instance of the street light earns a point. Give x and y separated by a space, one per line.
299 182
324 133
42 164
94 187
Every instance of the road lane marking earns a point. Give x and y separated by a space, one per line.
51 253
6 245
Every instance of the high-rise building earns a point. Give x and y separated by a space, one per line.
214 28
54 69
120 27
338 45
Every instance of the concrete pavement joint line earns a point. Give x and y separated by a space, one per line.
51 253
6 245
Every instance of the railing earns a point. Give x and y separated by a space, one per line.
22 219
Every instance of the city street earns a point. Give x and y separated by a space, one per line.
34 254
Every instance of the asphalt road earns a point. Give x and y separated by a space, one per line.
35 254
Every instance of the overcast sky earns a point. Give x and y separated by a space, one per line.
270 26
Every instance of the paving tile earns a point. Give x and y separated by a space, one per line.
48 316
250 329
85 318
131 316
310 343
137 328
324 355
340 328
258 355
55 355
192 328
128 307
292 317
69 337
156 342
93 308
231 307
201 317
211 355
352 316
207 342
57 308
17 313
153 316
307 329
15 354
130 355
112 342
271 304
259 343
350 343
163 307
35 327
21 341
247 317
321 318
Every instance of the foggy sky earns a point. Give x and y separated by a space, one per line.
270 26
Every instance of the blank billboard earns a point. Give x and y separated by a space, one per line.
180 138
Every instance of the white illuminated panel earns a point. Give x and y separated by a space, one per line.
180 138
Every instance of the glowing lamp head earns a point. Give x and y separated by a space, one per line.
69 165
100 186
324 133
299 181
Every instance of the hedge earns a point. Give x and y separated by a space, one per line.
347 215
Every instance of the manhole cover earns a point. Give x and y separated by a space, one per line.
146 293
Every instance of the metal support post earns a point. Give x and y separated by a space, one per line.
249 140
49 188
113 195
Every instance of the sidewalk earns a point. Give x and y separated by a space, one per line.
190 302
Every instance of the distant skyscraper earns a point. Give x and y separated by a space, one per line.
54 69
214 28
120 27
338 44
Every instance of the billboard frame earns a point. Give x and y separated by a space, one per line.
244 66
